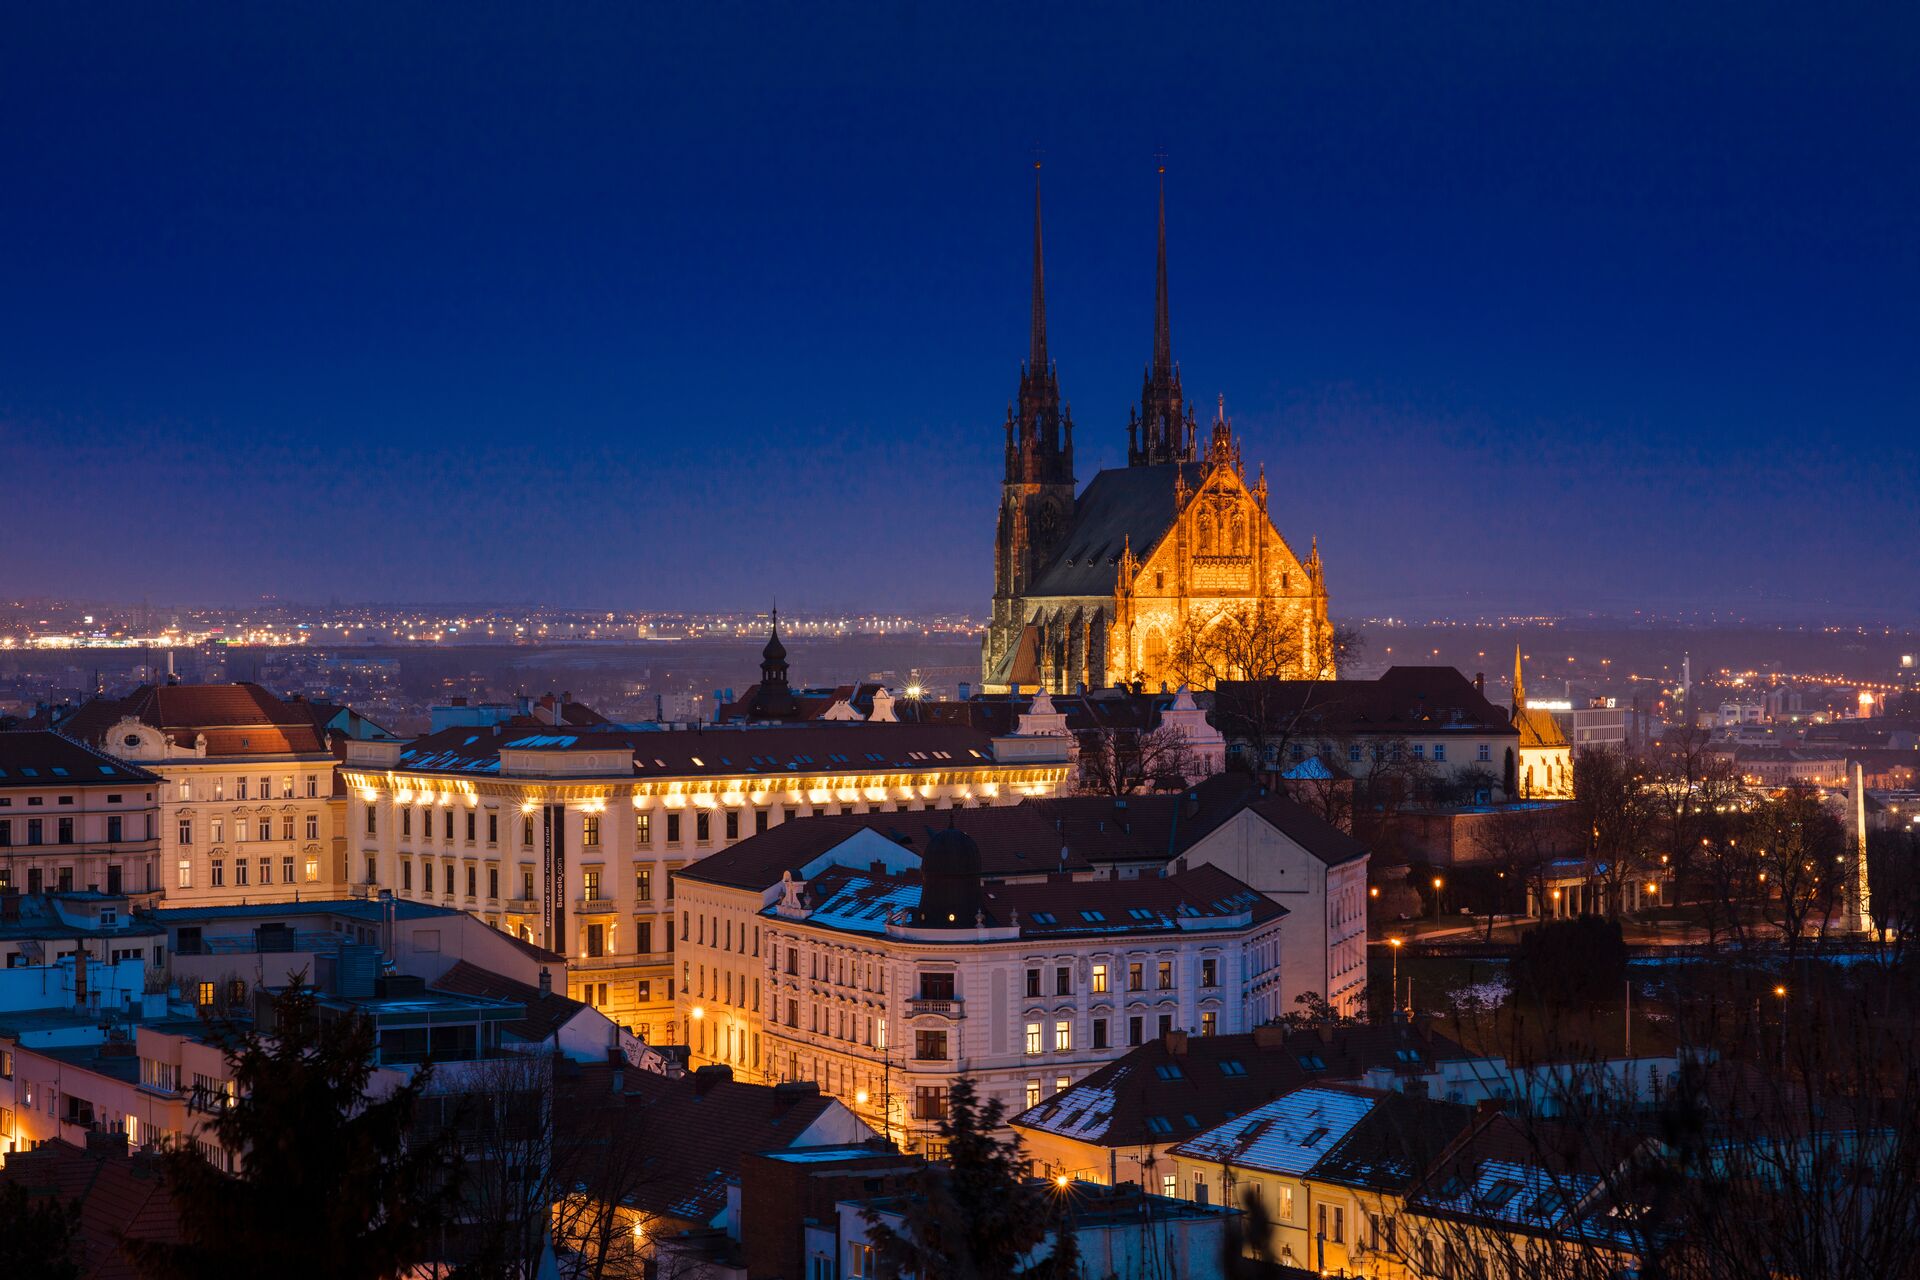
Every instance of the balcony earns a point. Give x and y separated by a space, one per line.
945 1007
523 906
593 906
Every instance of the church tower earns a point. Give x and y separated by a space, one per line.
1162 428
1036 494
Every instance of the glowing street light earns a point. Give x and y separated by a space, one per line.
1396 944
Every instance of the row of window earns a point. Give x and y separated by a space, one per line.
1063 979
34 830
248 828
63 879
245 873
589 826
215 789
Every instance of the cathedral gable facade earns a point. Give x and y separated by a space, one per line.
1129 579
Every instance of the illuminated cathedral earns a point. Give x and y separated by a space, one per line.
1104 586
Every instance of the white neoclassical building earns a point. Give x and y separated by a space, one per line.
568 837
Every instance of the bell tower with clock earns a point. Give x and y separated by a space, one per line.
1036 494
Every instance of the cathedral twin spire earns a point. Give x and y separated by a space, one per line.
1161 429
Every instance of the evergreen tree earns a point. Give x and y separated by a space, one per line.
37 1236
973 1217
329 1184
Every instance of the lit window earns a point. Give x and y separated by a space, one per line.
1033 1037
1099 979
1062 1037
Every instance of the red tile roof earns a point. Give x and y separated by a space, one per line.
240 719
121 1197
696 1129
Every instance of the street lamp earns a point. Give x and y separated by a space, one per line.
1395 943
1437 883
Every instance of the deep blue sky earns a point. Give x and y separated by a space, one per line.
642 307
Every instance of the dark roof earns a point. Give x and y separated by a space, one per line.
122 1197
1401 700
42 758
547 1011
777 751
1000 713
237 719
1013 840
365 909
800 704
1121 506
862 900
1217 1078
1394 1143
1146 904
698 1128
1030 837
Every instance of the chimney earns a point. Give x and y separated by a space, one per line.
1269 1035
106 1142
710 1075
80 975
1177 1043
546 981
1325 1030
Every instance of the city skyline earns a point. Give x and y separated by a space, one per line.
684 321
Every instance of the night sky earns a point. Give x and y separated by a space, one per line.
647 307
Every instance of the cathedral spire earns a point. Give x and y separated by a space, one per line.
1162 329
1166 429
1519 683
1039 352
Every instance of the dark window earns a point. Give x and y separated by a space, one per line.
493 882
930 1046
673 828
702 826
936 986
760 821
1033 982
1063 981
1133 1030
113 829
66 831
1099 1033
596 940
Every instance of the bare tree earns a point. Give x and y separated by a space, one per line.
1118 761
1786 1143
1799 845
503 1114
1521 844
1268 655
605 1166
1611 804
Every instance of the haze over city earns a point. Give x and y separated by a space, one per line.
640 312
